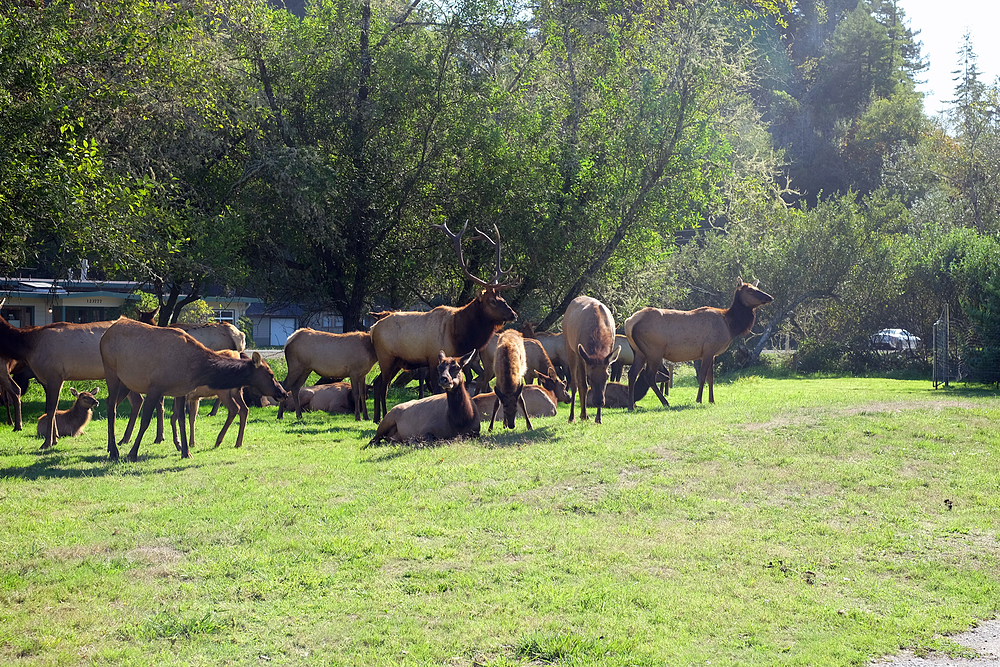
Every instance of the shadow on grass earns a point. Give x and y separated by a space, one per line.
503 438
56 464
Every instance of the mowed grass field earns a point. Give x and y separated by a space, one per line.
798 521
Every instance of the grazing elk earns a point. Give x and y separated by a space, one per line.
232 399
589 329
337 355
59 352
415 338
536 359
439 417
163 361
510 366
70 423
687 335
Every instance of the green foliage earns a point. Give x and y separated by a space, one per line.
197 312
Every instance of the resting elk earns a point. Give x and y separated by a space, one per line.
415 338
162 361
536 360
589 329
687 335
59 352
439 417
71 422
509 366
329 354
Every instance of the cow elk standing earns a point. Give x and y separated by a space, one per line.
589 329
439 417
70 423
415 338
328 354
161 361
536 360
510 367
686 335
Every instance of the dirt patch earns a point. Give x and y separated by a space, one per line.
983 639
808 415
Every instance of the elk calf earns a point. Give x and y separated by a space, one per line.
589 329
437 417
510 366
71 422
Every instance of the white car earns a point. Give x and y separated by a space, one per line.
895 339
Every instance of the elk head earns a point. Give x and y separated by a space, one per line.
598 371
449 370
750 296
494 305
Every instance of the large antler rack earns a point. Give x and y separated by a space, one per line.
456 240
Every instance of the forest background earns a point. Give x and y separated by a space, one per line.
645 153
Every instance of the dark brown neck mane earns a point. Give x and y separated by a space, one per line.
461 411
739 317
15 343
221 372
473 327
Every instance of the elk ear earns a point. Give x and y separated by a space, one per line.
583 353
613 357
756 282
93 392
464 361
257 359
73 391
441 357
739 282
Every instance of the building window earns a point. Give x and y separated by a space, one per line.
334 322
226 316
86 315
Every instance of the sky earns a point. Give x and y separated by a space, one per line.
941 26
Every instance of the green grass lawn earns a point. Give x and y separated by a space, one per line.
795 522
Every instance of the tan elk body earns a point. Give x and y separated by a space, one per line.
161 361
439 417
509 366
349 355
688 335
536 359
589 329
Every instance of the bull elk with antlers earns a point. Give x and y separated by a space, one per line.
415 338
686 335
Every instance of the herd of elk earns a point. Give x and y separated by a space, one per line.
416 338
162 361
658 334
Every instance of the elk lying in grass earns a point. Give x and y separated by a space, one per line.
162 361
589 329
536 359
70 423
687 335
59 352
337 355
439 417
509 366
232 399
335 398
616 394
416 338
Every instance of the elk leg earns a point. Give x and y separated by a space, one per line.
710 373
215 407
173 424
180 405
148 405
159 423
116 393
358 393
703 371
496 406
52 390
191 405
235 405
527 420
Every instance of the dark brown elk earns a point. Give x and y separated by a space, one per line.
162 361
232 399
536 360
510 366
337 355
439 417
415 338
56 353
589 329
686 335
70 423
